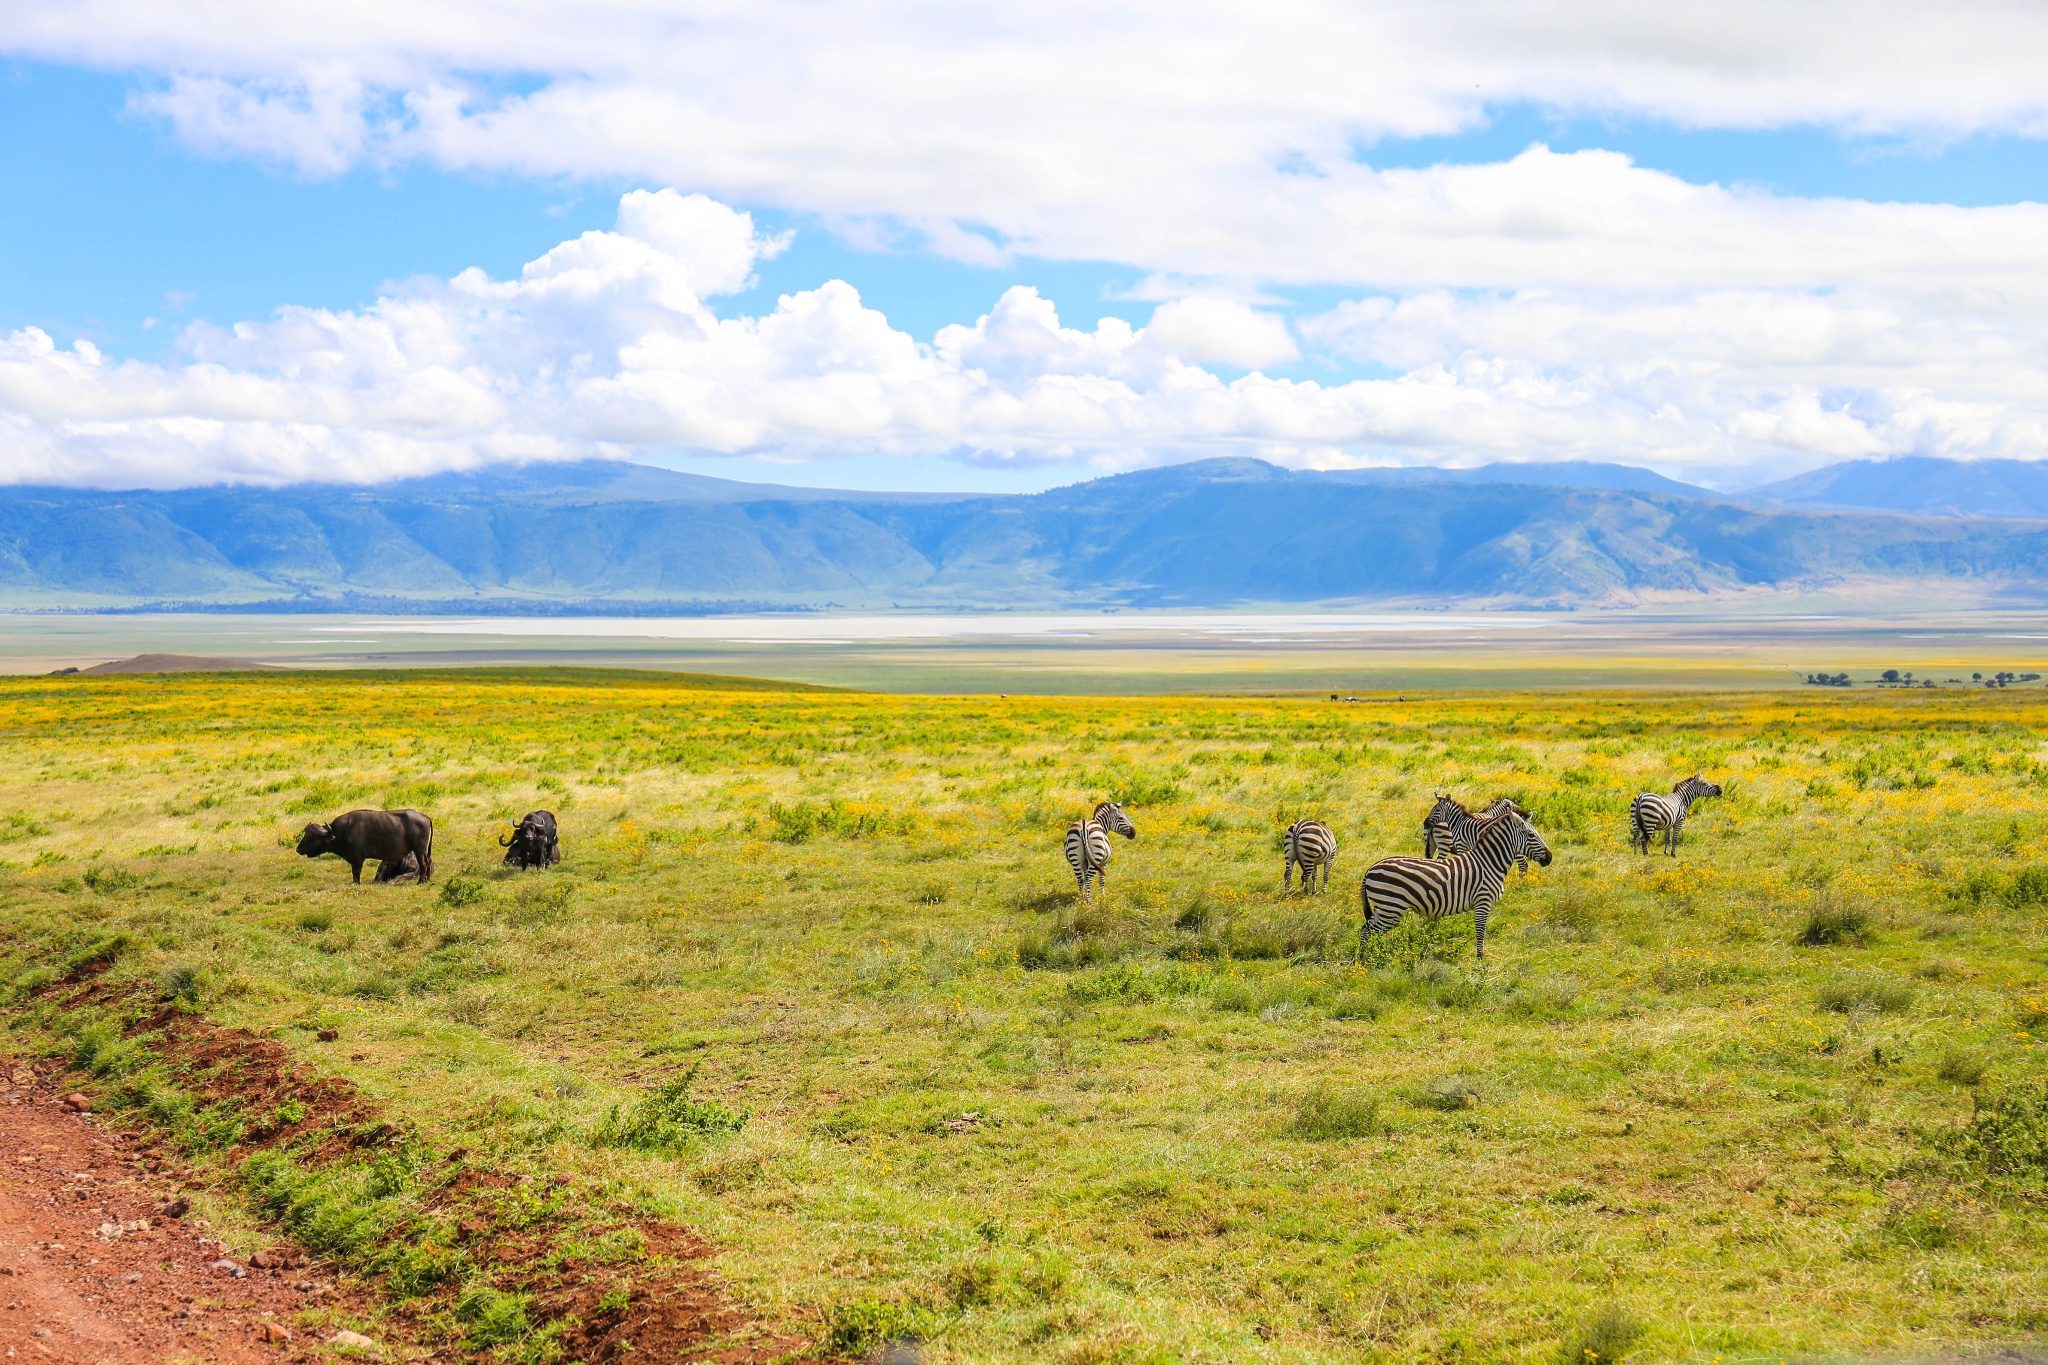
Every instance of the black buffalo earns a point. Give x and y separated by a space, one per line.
534 843
402 842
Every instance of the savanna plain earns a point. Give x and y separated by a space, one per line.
813 981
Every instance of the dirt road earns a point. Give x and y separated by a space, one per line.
91 1269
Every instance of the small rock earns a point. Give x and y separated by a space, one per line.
237 1271
353 1341
78 1102
132 1276
40 1332
328 1035
262 1260
273 1332
177 1208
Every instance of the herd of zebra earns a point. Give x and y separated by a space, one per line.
1464 867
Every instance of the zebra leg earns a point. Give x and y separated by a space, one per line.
1479 912
1287 877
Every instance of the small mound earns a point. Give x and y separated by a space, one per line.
179 663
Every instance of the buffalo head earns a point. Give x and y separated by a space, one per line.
317 839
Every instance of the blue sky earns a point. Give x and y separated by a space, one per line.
148 196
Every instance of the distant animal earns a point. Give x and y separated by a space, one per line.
1650 814
1312 846
1450 828
534 843
1437 887
1088 849
400 841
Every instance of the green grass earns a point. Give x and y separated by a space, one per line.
813 981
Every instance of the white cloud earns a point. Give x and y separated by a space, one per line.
1221 332
605 346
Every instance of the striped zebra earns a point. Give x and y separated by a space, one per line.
1437 887
1450 828
1088 850
1649 814
1311 844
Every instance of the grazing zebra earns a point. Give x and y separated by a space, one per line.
1436 887
1309 843
1450 828
1088 850
1650 813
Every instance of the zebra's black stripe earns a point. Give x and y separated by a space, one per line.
1312 846
1450 828
1088 849
1437 887
1650 814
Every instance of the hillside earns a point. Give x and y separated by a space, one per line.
1217 532
1920 484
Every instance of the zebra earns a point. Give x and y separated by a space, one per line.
1450 828
1437 887
1650 813
1311 844
1088 850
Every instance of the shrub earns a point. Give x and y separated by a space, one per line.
1606 1334
1866 995
457 892
1960 1067
1327 1114
1830 922
666 1120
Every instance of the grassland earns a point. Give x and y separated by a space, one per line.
1776 1097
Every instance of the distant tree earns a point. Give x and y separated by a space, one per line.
1891 675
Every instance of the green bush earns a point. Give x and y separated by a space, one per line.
457 892
1327 1114
667 1120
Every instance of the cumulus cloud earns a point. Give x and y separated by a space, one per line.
607 346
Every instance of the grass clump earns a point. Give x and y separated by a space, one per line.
317 921
867 1324
1831 923
181 985
1606 1334
1450 1093
666 1120
1327 1113
1959 1066
2007 1138
1865 995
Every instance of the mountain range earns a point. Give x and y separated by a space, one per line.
611 537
